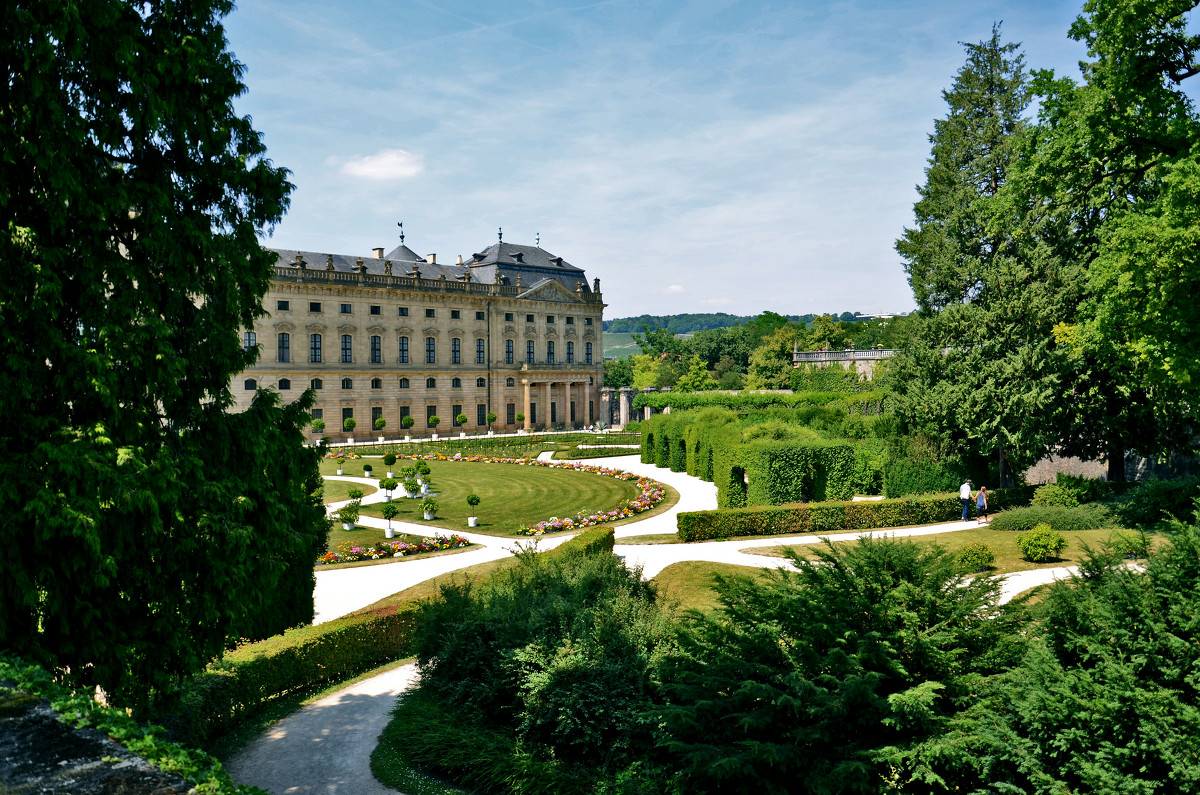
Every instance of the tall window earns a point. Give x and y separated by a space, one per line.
481 414
510 414
249 340
314 348
376 413
570 353
508 351
376 350
587 352
480 354
404 350
430 350
549 351
455 411
529 351
404 412
456 351
285 347
430 411
347 348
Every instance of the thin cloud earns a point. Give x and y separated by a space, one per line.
387 165
674 288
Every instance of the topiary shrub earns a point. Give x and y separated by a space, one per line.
1041 543
389 459
1054 494
975 557
1065 520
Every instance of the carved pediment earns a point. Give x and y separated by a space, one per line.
456 332
346 328
588 332
432 331
376 329
286 328
479 332
550 290
316 328
509 328
405 330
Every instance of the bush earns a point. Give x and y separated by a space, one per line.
1041 543
348 514
1053 494
1154 502
902 477
354 494
389 459
976 557
1130 545
592 541
1065 520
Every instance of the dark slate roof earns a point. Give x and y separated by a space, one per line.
403 253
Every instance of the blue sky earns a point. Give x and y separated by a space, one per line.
695 156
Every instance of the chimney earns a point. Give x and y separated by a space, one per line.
378 253
460 259
431 259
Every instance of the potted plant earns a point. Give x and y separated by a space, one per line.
318 425
429 508
389 461
520 422
354 494
348 515
367 470
422 469
380 424
389 512
434 421
406 422
411 487
341 463
388 485
461 420
472 500
490 419
349 424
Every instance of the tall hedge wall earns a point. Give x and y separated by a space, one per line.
773 473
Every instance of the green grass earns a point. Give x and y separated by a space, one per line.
432 587
690 583
1003 543
511 496
338 490
651 538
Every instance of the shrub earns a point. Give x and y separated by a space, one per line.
1154 502
354 494
348 514
388 485
1041 543
1052 494
380 423
407 421
461 419
975 557
318 425
349 424
1088 489
429 505
434 421
1135 544
1065 520
472 500
902 477
592 541
389 459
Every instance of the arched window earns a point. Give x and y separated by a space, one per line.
285 383
404 350
376 349
456 383
430 350
404 383
347 348
431 383
315 384
250 384
376 383
456 351
481 382
347 383
510 382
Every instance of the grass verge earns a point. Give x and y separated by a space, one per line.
339 490
690 583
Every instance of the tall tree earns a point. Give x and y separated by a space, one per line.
145 525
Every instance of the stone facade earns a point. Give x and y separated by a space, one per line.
512 331
862 361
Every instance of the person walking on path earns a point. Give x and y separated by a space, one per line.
964 496
981 506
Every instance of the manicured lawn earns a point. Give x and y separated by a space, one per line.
1003 543
690 583
652 538
510 496
338 490
432 587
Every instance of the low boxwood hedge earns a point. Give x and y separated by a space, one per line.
592 541
835 516
1061 518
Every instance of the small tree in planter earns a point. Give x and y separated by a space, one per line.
389 461
349 423
318 425
388 485
354 494
341 466
348 515
380 424
461 420
490 419
389 512
411 487
472 500
429 507
367 470
520 418
423 468
435 421
406 422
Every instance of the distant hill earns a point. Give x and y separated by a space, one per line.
696 321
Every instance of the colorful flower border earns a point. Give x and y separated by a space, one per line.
348 552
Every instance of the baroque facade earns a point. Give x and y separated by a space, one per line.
512 331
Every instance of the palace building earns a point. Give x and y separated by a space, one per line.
512 331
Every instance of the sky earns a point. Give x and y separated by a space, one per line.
695 155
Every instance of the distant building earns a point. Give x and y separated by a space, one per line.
513 330
861 360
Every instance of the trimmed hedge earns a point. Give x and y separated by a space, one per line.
783 472
1059 517
592 541
835 516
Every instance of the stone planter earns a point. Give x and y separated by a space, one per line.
407 438
347 526
462 435
339 472
491 433
472 521
381 438
391 475
389 533
435 437
412 495
428 516
367 473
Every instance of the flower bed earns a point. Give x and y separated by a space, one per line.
352 553
340 456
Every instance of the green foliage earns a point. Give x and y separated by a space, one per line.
1065 520
318 425
1041 544
617 373
407 421
1054 494
380 423
490 417
902 477
975 557
354 494
389 459
1157 501
349 424
429 505
1089 489
773 473
472 500
771 362
387 484
1130 544
461 419
697 378
817 681
348 514
592 541
433 421
389 510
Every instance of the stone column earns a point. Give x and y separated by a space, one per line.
626 404
605 414
527 422
545 420
646 410
566 404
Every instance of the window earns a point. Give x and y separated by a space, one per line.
283 306
481 383
403 350
314 306
455 314
529 318
376 383
430 313
405 411
318 414
529 351
570 353
430 350
402 311
587 352
347 414
508 351
533 413
430 412
510 414
376 350
431 383
285 383
376 310
404 383
480 353
572 418
455 411
346 309
587 321
550 352
481 414
456 351
508 317
510 382
570 320
553 412
376 413
591 412
250 384
550 319
314 348
285 347
347 383
347 348
316 383
456 383
479 316
249 340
